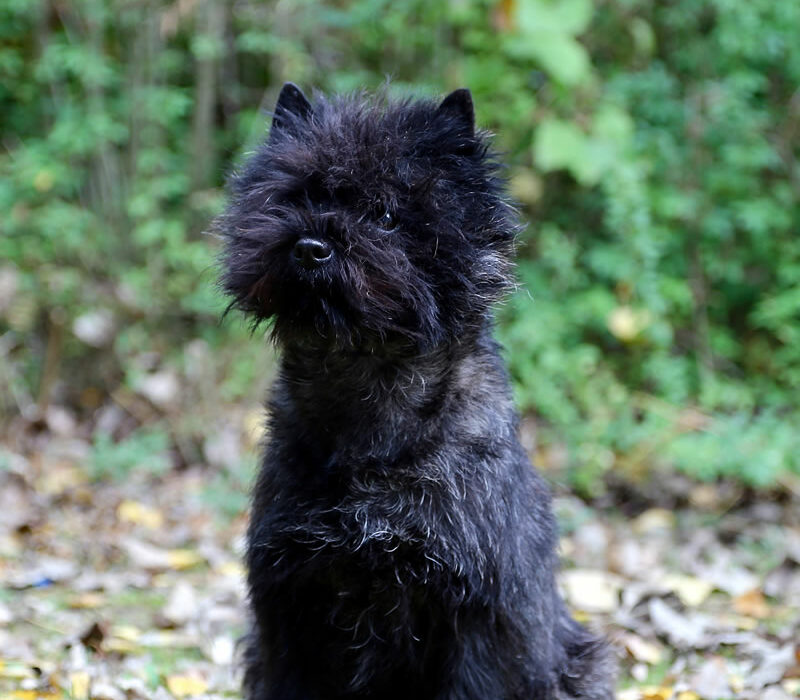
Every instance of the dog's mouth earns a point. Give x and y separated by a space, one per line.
331 300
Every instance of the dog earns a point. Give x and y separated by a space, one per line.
400 545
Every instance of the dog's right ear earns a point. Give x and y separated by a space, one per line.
292 105
458 108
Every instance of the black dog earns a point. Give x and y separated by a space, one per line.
401 545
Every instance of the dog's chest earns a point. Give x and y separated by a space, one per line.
366 572
383 531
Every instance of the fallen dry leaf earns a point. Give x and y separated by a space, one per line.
736 683
32 695
182 604
656 692
704 496
792 686
752 604
79 685
153 558
653 520
121 647
15 670
691 591
776 693
592 591
734 581
711 679
681 630
102 690
741 622
772 666
60 477
93 636
159 387
230 568
222 651
140 514
643 650
185 686
87 601
127 632
184 558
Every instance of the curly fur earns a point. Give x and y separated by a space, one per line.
400 545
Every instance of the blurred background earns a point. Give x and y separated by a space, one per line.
654 342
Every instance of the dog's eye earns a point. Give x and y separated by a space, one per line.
386 222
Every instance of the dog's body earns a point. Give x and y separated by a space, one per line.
401 545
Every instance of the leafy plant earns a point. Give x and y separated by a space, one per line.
653 147
144 450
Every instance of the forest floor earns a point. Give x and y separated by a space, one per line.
132 588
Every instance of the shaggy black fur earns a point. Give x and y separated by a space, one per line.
401 545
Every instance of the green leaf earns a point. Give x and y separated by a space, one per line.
561 56
558 144
568 17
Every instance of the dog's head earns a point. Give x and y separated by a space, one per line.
362 222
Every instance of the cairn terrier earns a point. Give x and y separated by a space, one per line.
400 546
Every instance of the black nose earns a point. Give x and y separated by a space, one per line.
311 253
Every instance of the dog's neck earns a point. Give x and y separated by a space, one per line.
356 382
371 403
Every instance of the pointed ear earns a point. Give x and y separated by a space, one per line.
457 106
291 105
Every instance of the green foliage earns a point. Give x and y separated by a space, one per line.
664 275
653 147
228 492
144 451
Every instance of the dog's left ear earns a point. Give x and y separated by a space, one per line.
292 104
457 107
